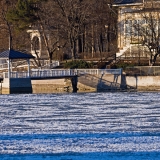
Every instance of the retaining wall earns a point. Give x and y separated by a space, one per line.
16 85
86 83
54 85
144 82
98 82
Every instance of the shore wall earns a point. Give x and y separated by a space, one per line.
92 83
144 82
98 82
84 83
49 86
26 85
54 85
16 85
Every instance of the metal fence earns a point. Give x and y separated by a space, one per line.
44 63
143 70
39 73
52 73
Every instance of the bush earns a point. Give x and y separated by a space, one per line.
101 65
78 64
124 65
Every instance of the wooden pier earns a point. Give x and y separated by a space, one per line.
21 82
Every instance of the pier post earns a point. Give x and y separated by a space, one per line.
74 83
16 85
28 68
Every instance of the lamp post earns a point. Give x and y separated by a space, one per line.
152 47
138 46
9 68
107 45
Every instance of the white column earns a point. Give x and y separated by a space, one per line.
124 23
119 28
11 65
9 69
28 67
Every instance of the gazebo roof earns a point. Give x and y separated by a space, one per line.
127 2
12 54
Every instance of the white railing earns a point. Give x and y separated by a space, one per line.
14 64
38 73
98 71
110 71
52 65
45 64
52 73
86 71
4 66
16 75
144 70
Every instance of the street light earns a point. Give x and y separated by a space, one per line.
106 27
152 47
109 5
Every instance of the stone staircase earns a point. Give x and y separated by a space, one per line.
120 55
122 51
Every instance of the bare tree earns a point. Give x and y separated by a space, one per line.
103 28
48 27
73 15
72 26
149 31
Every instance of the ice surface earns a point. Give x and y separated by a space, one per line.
91 125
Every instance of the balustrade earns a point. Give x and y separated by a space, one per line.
38 73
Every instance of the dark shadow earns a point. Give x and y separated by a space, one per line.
136 81
103 85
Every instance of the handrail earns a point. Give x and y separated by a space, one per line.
51 65
143 70
18 64
14 64
40 73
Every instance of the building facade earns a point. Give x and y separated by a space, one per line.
138 27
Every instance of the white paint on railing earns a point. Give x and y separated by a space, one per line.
87 71
14 64
145 70
19 64
37 73
52 65
110 71
51 73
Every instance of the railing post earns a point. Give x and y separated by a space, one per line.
4 74
120 71
9 68
70 72
28 68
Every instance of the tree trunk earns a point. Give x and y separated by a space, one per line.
46 42
154 58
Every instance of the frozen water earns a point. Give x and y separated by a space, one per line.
80 126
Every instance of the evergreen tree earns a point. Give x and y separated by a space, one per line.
24 14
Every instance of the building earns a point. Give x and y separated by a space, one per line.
138 29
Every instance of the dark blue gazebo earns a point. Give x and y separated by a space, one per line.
12 54
126 2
